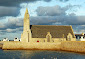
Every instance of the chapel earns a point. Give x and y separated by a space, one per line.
45 33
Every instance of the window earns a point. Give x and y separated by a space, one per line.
69 38
48 38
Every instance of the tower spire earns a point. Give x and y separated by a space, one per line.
26 10
26 21
26 14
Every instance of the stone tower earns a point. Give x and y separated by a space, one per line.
26 35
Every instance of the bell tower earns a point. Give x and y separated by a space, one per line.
26 35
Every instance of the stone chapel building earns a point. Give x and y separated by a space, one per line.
45 33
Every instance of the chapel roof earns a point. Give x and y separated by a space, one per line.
40 31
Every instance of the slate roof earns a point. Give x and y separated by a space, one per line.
40 31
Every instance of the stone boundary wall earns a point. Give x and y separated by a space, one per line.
21 45
75 46
1 44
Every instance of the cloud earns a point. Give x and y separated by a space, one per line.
50 11
17 2
14 30
75 20
57 15
63 0
8 11
56 10
12 25
12 7
1 25
58 20
45 20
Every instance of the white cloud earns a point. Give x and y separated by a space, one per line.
2 25
9 30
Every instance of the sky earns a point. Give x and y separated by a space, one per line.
42 12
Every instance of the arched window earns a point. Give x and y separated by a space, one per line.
48 38
69 37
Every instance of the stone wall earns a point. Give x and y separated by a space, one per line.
58 39
40 45
45 39
1 44
76 46
38 39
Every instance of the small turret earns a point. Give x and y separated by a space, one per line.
82 33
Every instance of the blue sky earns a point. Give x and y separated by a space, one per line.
42 12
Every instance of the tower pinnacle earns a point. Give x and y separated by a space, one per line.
26 14
26 21
26 11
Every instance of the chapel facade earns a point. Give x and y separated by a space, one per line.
45 33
